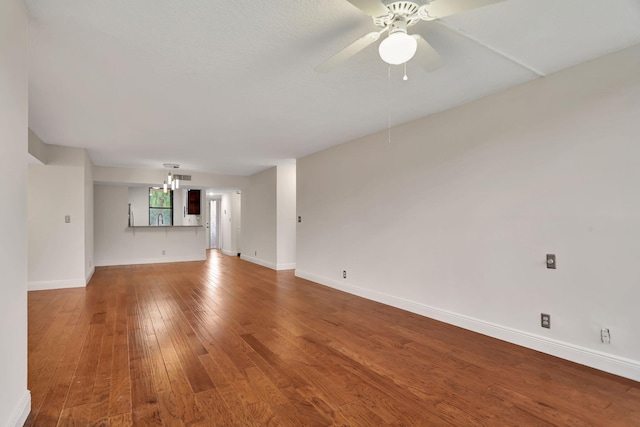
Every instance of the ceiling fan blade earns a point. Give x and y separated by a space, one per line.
371 7
347 52
440 8
426 55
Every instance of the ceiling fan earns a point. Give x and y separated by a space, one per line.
394 17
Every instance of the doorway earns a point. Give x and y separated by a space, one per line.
214 224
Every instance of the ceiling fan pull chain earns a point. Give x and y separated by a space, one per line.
405 78
389 103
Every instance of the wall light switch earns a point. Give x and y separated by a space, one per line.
67 219
551 261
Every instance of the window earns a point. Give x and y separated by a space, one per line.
160 207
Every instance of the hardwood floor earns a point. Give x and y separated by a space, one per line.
229 343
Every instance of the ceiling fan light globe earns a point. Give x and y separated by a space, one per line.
398 48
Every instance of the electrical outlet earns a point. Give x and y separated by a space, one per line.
255 253
299 218
605 336
67 219
344 274
164 252
545 320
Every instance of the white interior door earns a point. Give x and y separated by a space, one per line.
214 228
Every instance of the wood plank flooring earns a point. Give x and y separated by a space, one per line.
229 343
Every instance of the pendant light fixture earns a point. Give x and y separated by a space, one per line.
172 182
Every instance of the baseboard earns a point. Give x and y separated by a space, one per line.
90 275
56 284
229 253
21 413
258 261
164 259
289 266
624 367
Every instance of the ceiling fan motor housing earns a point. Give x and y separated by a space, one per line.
398 26
406 11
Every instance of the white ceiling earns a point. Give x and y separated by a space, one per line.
229 86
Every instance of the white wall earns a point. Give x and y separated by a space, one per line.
230 213
225 223
37 148
179 203
286 217
117 244
453 218
88 218
60 253
258 240
236 222
139 200
268 211
15 400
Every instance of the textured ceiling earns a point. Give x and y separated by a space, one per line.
229 86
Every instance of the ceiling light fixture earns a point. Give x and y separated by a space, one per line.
171 181
398 47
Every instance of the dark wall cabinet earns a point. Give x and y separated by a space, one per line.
193 202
